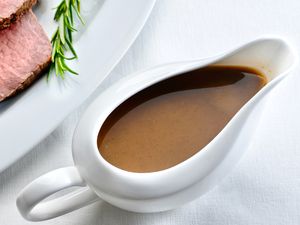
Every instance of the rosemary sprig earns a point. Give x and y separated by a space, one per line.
62 39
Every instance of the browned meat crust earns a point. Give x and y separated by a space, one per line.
5 22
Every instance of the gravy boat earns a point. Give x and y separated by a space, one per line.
169 188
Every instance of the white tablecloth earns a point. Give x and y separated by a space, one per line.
265 186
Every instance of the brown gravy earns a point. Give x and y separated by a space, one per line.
172 120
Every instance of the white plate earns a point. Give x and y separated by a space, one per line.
111 27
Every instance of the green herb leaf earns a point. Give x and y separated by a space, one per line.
62 39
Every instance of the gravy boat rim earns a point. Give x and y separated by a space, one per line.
183 67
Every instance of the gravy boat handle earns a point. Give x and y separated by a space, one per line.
29 201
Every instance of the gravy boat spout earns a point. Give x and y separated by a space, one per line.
170 188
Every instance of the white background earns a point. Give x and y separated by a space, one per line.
265 186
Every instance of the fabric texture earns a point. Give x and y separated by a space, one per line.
264 187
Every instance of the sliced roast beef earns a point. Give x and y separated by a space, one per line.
12 10
25 52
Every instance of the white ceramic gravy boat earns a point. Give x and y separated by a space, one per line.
166 189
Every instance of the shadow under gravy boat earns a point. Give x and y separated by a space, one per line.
165 189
